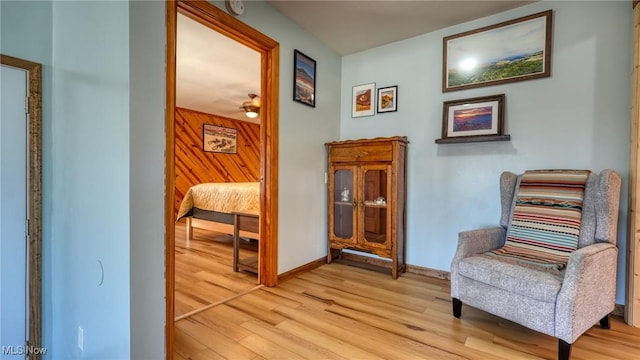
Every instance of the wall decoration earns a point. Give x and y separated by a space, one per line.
304 79
363 99
475 119
514 50
388 99
219 139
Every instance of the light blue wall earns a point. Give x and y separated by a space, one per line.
25 32
90 179
303 131
577 118
147 145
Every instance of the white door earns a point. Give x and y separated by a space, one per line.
13 213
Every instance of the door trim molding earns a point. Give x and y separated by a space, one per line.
218 20
632 301
34 196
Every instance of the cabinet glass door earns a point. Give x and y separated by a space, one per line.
376 197
343 203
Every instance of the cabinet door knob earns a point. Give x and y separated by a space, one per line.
361 204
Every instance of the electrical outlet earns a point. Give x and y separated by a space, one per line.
80 338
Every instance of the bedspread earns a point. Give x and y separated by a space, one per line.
223 197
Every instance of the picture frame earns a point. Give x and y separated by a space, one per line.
387 99
514 50
362 99
304 79
473 119
219 139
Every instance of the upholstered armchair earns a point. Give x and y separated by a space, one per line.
551 264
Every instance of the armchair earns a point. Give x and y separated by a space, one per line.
551 264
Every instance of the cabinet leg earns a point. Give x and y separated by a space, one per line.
332 254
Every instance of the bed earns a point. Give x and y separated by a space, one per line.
214 206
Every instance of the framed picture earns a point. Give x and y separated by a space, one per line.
219 139
304 79
514 50
362 99
473 118
388 99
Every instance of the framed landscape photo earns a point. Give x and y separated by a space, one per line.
304 79
473 118
388 99
219 139
363 100
515 50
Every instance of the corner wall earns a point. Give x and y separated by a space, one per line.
577 118
147 54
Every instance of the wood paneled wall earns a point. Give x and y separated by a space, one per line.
194 166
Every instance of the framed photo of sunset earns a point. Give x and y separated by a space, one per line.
474 119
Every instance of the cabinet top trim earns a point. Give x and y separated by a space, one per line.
402 139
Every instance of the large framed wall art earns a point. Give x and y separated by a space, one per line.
514 50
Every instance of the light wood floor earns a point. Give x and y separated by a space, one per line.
204 270
344 312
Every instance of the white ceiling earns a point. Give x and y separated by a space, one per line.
216 74
351 26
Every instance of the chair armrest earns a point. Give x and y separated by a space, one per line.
479 241
471 243
588 290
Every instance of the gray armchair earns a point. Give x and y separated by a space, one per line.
560 301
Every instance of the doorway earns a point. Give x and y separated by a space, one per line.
21 295
218 20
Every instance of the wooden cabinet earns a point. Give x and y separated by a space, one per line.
367 198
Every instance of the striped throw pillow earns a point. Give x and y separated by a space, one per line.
546 220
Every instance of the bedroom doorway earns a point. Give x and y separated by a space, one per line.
219 21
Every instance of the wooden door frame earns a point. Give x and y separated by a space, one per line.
34 196
632 301
218 20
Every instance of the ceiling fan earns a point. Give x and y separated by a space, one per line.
251 107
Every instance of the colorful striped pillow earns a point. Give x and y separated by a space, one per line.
546 220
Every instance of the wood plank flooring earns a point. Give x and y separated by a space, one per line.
344 312
204 269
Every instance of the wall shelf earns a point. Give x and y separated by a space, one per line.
477 138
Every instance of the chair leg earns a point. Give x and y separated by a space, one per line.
457 307
564 350
604 322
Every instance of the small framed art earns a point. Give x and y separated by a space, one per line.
362 100
388 99
304 79
474 119
219 139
